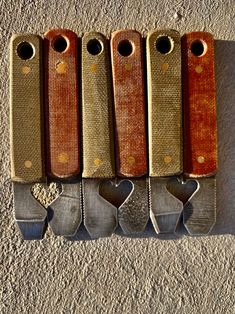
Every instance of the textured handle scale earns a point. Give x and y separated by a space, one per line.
200 136
62 119
164 103
98 148
129 103
26 108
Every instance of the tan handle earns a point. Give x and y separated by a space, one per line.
98 148
164 103
26 108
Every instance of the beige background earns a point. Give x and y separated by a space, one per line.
123 275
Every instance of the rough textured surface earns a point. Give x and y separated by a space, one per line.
165 121
123 275
129 103
26 101
62 123
199 99
97 105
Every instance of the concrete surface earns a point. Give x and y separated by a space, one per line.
123 275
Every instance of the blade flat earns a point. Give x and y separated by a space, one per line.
133 214
200 211
30 215
165 208
65 214
100 216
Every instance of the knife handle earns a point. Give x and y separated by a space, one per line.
62 113
26 108
200 134
129 103
164 103
98 146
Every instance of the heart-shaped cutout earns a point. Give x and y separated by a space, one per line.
182 190
115 194
46 195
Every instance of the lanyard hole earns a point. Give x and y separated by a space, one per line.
94 47
125 48
25 50
198 48
60 44
164 44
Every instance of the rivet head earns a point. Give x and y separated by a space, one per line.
28 163
94 67
165 67
131 160
199 69
61 67
167 159
200 159
25 69
98 161
128 66
63 158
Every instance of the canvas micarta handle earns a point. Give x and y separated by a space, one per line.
200 134
26 108
97 103
129 103
62 114
164 103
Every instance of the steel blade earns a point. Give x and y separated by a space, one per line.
199 215
100 216
133 214
30 215
165 208
65 213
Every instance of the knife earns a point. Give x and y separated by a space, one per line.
200 132
163 50
26 126
130 130
100 216
63 129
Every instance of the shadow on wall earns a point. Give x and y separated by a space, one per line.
225 80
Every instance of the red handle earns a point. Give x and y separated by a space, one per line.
62 119
129 103
200 135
